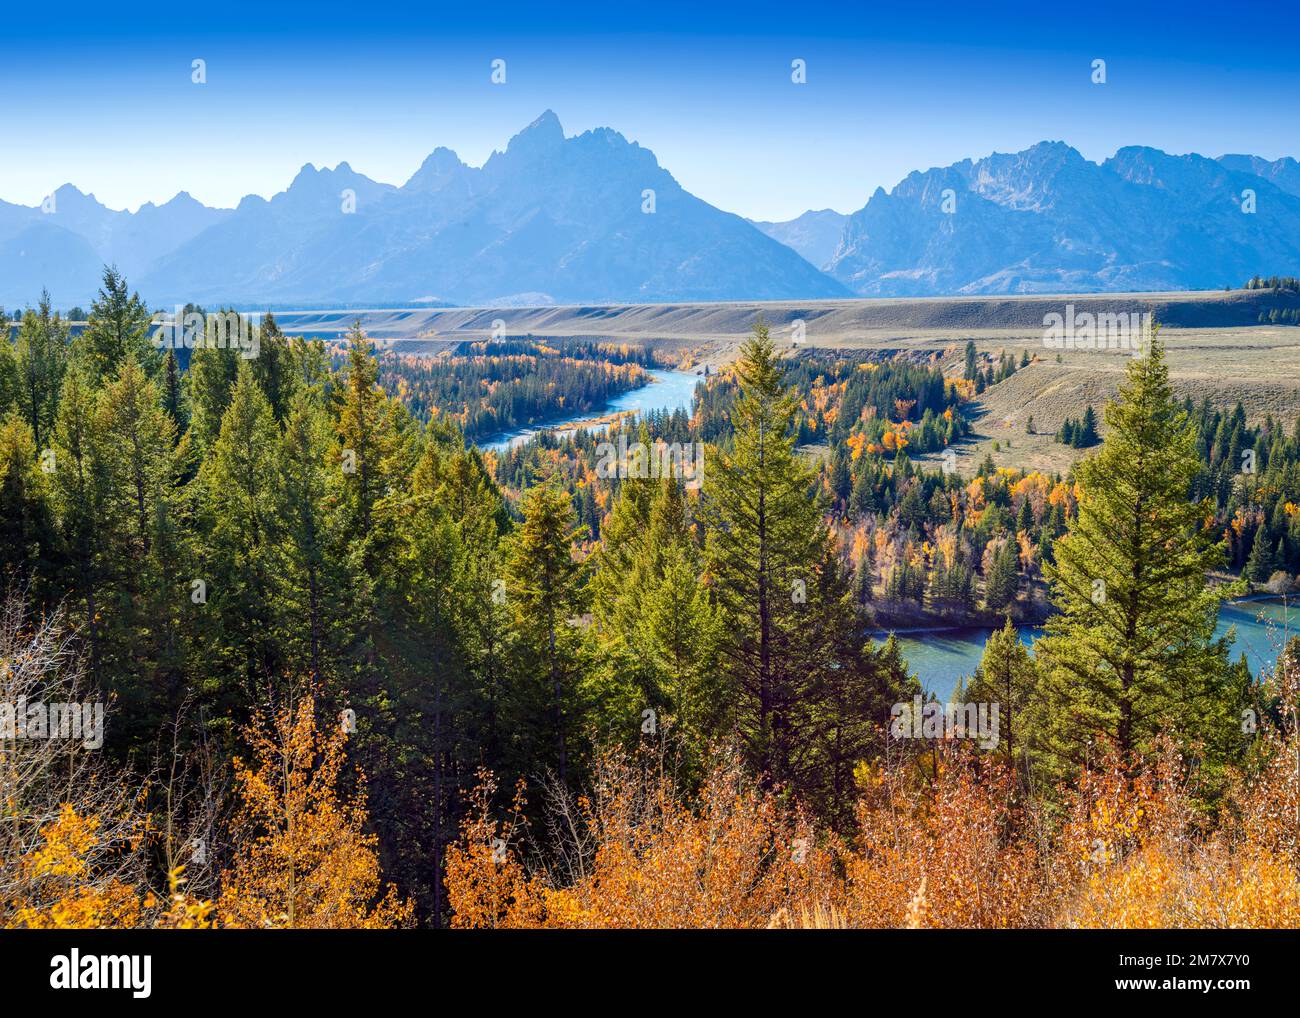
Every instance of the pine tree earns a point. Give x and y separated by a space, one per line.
210 380
1087 433
483 619
27 528
1007 675
1002 579
40 361
172 396
79 481
545 588
309 569
147 598
273 368
1025 516
766 544
1260 563
118 327
240 525
1132 652
8 369
370 443
678 627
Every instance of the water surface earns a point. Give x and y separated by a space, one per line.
941 657
667 390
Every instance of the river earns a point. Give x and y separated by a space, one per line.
940 657
667 390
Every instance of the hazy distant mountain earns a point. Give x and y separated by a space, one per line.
592 218
65 244
815 235
1284 172
595 219
1046 219
551 218
39 255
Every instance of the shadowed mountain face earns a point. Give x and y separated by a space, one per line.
1047 220
595 219
815 234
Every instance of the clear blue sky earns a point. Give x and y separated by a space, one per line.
101 97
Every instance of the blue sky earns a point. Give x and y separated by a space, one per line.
106 102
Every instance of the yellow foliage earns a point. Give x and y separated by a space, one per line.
304 860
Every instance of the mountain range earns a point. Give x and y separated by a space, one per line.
595 219
1048 220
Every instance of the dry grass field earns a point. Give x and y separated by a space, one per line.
1258 366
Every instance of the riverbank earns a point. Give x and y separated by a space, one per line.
941 656
1032 609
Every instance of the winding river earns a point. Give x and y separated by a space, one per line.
667 390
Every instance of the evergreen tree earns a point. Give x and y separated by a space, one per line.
27 528
545 588
172 396
370 442
147 598
313 587
40 361
79 481
1002 579
1132 651
273 368
1261 562
1007 675
678 631
782 598
241 526
210 381
1087 433
8 369
119 327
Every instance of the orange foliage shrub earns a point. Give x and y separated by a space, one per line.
953 849
637 856
304 860
944 839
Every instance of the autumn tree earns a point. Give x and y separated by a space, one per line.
303 859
